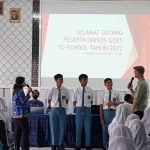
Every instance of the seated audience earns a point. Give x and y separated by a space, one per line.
130 118
120 131
139 135
122 143
128 98
35 102
5 117
122 112
146 120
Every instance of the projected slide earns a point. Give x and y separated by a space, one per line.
98 45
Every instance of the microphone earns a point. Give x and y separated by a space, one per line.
27 85
130 83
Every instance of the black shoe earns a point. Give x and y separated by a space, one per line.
54 147
104 148
77 148
61 148
88 148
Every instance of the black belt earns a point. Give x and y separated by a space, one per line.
111 109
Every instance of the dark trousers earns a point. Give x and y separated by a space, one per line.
139 113
21 133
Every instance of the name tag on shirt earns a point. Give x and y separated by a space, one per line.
63 97
88 97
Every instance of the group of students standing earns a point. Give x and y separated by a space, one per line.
113 111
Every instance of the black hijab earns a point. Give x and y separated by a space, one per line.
18 85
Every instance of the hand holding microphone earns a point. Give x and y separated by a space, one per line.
29 89
130 84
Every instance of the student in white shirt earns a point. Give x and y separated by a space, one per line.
82 99
58 99
109 100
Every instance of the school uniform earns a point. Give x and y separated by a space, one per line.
83 98
58 99
108 112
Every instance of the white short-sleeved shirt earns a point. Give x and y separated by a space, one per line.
53 96
104 98
88 96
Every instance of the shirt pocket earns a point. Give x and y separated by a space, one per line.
63 95
106 99
114 98
55 98
79 96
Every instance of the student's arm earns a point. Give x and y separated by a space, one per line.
50 96
101 114
92 96
101 103
74 98
67 96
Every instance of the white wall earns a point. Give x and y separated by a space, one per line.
16 43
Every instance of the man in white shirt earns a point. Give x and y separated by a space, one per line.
82 99
109 100
58 98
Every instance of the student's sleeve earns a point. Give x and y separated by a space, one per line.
74 95
50 95
92 95
120 98
67 94
139 93
101 99
23 99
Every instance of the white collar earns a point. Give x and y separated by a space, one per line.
108 90
83 87
57 87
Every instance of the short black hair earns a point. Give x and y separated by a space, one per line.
107 79
36 91
127 97
57 76
82 76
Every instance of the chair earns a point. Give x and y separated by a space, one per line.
7 144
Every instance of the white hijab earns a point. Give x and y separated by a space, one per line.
120 131
139 135
146 119
121 143
130 118
122 112
4 115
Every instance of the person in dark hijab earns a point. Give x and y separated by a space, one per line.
19 114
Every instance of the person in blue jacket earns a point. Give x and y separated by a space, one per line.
19 114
